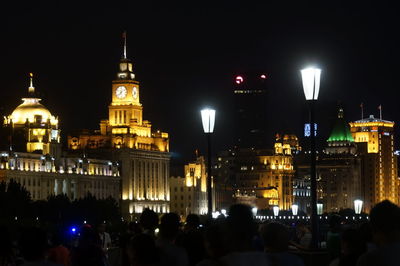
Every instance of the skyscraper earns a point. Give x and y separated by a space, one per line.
375 141
250 92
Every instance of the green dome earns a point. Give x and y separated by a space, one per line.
340 131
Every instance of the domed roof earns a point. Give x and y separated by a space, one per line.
30 109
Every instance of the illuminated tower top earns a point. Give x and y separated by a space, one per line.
371 130
125 66
31 110
340 131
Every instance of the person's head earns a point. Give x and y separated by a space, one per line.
385 222
88 237
301 227
148 220
101 228
169 226
192 222
335 222
214 239
275 237
352 242
56 239
142 250
134 228
33 244
241 227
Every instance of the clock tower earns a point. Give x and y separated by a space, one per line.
143 153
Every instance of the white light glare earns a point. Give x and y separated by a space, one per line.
320 208
295 209
208 120
358 206
254 211
311 80
276 210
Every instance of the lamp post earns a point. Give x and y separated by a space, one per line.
276 210
295 209
320 208
311 81
208 120
358 206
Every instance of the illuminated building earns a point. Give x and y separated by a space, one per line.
31 126
339 169
188 193
258 177
34 159
142 152
250 99
73 177
375 141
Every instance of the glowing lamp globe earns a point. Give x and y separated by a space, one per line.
320 208
208 120
254 211
311 80
295 209
276 210
358 206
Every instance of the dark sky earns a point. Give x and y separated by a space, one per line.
186 56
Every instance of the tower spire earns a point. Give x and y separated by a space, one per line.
31 89
124 37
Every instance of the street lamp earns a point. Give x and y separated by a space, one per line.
208 120
276 210
358 206
311 81
320 208
254 211
295 209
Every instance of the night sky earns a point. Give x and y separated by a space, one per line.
186 57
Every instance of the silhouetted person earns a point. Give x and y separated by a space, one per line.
58 253
214 243
169 230
302 237
385 224
7 256
89 251
333 237
352 246
240 231
149 222
276 245
142 251
105 238
33 245
192 239
366 235
133 229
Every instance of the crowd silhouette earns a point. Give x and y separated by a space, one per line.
232 240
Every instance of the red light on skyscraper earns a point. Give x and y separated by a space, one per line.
263 76
239 79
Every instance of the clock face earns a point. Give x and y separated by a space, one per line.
135 92
120 92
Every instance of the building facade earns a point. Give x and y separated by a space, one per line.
375 141
32 128
34 159
250 103
189 193
260 178
142 152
